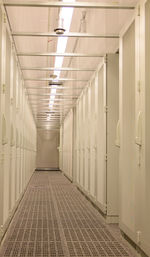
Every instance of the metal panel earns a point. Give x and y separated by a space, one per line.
60 54
112 119
127 141
143 151
60 79
101 139
93 147
86 161
6 206
72 34
69 4
53 68
68 145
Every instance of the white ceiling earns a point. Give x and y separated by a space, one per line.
98 21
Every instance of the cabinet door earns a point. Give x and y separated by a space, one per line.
101 139
112 119
77 146
86 161
67 144
127 134
92 141
144 173
7 117
1 157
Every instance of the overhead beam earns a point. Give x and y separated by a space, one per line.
34 101
48 96
49 117
47 112
48 121
72 35
62 114
53 109
57 69
46 115
47 105
45 118
57 94
69 4
60 110
48 99
50 79
59 54
58 88
47 128
63 107
50 109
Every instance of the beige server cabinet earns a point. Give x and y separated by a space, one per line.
145 176
61 148
135 128
66 146
97 113
128 165
17 129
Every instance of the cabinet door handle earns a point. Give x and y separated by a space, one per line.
4 131
117 141
138 138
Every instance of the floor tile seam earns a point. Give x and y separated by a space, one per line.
64 243
119 239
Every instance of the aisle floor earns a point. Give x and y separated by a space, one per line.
55 219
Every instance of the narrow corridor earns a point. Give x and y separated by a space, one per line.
55 219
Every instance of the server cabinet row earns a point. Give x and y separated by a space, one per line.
17 129
111 133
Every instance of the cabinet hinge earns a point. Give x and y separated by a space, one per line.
106 157
105 207
139 86
4 17
3 88
105 59
139 10
106 109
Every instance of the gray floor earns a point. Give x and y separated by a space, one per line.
55 219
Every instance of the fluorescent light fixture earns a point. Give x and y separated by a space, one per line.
48 117
65 15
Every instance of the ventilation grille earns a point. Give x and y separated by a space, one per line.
55 219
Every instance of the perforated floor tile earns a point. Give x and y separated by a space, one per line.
55 220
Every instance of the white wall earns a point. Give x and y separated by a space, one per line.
17 129
47 149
